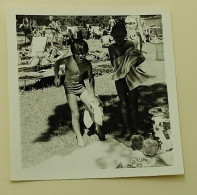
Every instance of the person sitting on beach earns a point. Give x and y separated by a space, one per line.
106 39
128 76
58 26
77 69
48 57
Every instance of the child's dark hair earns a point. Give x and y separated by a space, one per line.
119 26
79 45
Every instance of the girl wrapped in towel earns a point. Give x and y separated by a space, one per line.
128 76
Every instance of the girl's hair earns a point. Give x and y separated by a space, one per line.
119 26
80 46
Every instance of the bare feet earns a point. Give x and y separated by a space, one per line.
80 141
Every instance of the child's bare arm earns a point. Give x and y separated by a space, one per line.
56 71
56 68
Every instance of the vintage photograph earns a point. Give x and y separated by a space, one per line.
92 96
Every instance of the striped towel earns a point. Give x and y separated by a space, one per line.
127 66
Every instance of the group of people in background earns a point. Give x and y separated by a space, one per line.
30 29
134 30
133 25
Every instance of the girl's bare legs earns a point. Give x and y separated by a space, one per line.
72 101
124 110
133 109
122 91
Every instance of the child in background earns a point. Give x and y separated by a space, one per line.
106 39
128 76
78 68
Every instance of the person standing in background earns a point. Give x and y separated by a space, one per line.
135 31
112 22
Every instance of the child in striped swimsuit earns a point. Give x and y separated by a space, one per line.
77 68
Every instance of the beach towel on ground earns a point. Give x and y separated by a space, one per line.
127 66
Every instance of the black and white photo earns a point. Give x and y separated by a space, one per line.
92 94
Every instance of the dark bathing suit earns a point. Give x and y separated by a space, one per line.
75 88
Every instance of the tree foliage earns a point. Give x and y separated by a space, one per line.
74 20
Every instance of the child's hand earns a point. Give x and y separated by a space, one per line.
56 81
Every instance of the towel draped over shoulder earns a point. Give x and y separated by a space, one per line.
127 66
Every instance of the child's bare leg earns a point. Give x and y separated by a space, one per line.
122 91
124 110
72 101
133 108
100 132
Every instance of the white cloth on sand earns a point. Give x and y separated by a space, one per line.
96 110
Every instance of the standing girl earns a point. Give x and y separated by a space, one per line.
128 76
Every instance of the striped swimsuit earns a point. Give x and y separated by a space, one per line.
75 88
